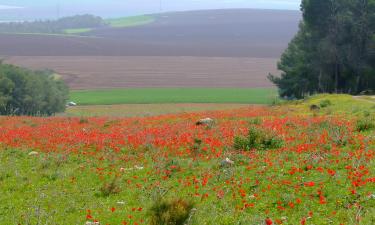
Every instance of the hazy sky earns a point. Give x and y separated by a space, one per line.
39 9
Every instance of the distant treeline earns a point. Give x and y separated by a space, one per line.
334 50
54 26
33 93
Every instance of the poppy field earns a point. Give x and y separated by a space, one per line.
296 167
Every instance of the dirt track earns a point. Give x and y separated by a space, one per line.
107 72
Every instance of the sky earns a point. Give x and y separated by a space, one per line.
50 9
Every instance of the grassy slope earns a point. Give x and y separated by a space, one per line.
59 188
339 104
174 95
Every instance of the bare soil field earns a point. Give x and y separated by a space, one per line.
93 72
214 48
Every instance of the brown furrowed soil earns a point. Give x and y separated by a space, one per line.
92 72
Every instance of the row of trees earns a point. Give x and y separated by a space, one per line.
26 92
54 26
333 52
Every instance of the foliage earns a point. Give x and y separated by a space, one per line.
365 124
325 103
109 188
73 24
25 92
333 52
174 212
259 139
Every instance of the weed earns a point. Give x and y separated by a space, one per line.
83 120
365 124
174 212
259 139
110 188
325 103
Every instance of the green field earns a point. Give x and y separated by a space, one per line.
77 30
130 21
174 95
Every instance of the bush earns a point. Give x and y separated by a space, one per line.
174 212
365 124
259 139
325 103
32 93
110 188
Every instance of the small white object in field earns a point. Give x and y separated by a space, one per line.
33 153
206 121
138 167
72 104
121 203
92 223
227 162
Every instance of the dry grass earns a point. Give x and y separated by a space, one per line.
141 110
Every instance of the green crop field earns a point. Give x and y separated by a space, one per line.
174 95
131 21
77 30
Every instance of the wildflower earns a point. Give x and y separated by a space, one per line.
268 221
309 184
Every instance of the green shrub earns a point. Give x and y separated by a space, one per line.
175 212
325 103
110 188
259 139
255 121
365 124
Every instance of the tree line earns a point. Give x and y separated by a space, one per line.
33 93
54 26
333 52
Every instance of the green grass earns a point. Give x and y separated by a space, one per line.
130 21
339 104
174 95
143 110
77 30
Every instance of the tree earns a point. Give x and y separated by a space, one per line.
25 92
333 50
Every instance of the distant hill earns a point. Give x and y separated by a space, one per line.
60 26
218 33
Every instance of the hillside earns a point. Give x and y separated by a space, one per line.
253 165
215 48
230 33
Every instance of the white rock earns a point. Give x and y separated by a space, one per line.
33 153
139 167
227 162
206 121
92 223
